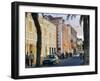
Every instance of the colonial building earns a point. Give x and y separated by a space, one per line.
49 40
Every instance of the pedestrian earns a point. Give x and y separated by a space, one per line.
31 57
27 59
62 55
70 54
81 56
66 55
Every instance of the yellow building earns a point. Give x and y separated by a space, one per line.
48 30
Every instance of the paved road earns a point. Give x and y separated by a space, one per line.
71 61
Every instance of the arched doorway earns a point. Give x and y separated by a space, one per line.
32 48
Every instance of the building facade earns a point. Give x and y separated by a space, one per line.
58 21
48 30
57 37
66 35
69 39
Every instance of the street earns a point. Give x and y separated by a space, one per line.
71 61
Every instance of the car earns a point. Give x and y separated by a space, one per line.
76 55
51 60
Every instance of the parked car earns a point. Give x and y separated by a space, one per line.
51 60
76 55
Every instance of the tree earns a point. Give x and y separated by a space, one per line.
85 20
39 38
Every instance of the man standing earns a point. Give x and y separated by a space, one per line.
27 59
31 57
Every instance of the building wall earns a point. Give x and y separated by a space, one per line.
48 37
69 39
30 36
65 39
58 21
72 35
66 35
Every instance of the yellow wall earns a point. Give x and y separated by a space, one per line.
48 36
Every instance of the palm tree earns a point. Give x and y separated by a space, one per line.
39 38
85 20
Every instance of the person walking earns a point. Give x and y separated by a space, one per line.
27 59
31 56
66 55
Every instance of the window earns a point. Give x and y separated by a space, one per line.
30 26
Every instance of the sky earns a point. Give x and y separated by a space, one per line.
74 22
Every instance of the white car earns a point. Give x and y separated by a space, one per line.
51 59
76 55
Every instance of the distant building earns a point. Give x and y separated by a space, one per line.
69 39
49 40
58 21
80 45
66 35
